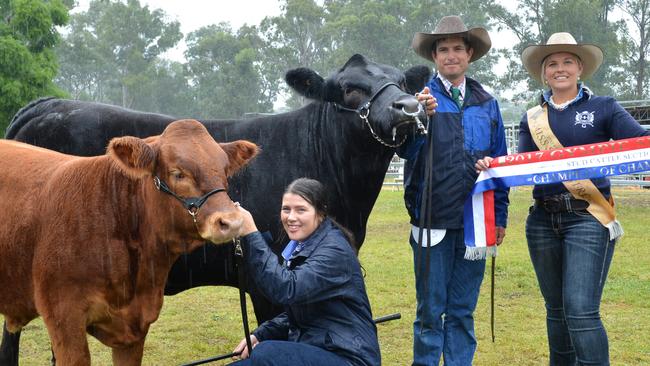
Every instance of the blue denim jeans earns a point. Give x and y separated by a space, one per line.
571 253
283 353
447 288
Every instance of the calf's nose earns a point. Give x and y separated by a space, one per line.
223 227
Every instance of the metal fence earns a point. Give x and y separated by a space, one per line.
639 109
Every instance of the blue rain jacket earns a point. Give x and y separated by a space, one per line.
323 293
460 137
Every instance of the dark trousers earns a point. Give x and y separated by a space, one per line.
447 289
285 353
571 253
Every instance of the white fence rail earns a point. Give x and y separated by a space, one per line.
395 174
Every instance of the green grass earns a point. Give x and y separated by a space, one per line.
205 322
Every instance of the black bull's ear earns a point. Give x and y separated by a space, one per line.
306 82
416 78
309 84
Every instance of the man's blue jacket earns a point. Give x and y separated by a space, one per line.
460 136
323 294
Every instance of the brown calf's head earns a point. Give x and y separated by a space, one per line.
193 169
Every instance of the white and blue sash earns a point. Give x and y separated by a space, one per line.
545 167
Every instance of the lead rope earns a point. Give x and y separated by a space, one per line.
425 209
492 300
239 256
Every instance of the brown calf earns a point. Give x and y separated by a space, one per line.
87 243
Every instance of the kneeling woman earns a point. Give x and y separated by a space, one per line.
327 318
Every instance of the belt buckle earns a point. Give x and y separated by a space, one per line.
552 204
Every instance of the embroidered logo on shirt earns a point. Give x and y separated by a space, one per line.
585 118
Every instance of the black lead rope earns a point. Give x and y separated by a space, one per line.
492 300
241 274
425 207
212 359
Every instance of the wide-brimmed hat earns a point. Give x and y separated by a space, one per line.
533 56
452 26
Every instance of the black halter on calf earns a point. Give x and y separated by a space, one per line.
191 204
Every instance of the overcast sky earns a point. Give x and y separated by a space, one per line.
194 14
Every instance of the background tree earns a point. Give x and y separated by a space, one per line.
27 62
114 51
226 72
113 48
295 38
84 72
164 88
383 30
637 38
533 21
324 37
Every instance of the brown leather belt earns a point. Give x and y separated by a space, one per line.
561 203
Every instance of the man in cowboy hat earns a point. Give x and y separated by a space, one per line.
467 127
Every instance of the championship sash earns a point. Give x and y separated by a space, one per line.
583 189
575 163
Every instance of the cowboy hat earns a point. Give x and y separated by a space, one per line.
452 26
533 56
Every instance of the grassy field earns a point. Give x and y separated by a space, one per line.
205 322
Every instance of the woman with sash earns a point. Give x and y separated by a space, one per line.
327 319
572 228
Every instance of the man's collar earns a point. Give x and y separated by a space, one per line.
447 84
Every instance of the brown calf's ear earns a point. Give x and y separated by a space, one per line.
132 155
239 152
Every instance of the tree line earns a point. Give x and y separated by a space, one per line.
113 52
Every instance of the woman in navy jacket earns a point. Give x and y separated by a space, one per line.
327 318
570 249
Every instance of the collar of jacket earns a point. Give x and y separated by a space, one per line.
583 93
316 237
473 90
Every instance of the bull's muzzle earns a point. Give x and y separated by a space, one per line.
220 227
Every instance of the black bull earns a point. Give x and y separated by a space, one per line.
320 140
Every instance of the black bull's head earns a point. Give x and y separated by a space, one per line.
382 95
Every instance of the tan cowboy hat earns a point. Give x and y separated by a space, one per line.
452 26
533 56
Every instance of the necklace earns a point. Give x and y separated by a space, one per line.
561 106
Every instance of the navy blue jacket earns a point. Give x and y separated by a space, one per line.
323 292
588 120
460 137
